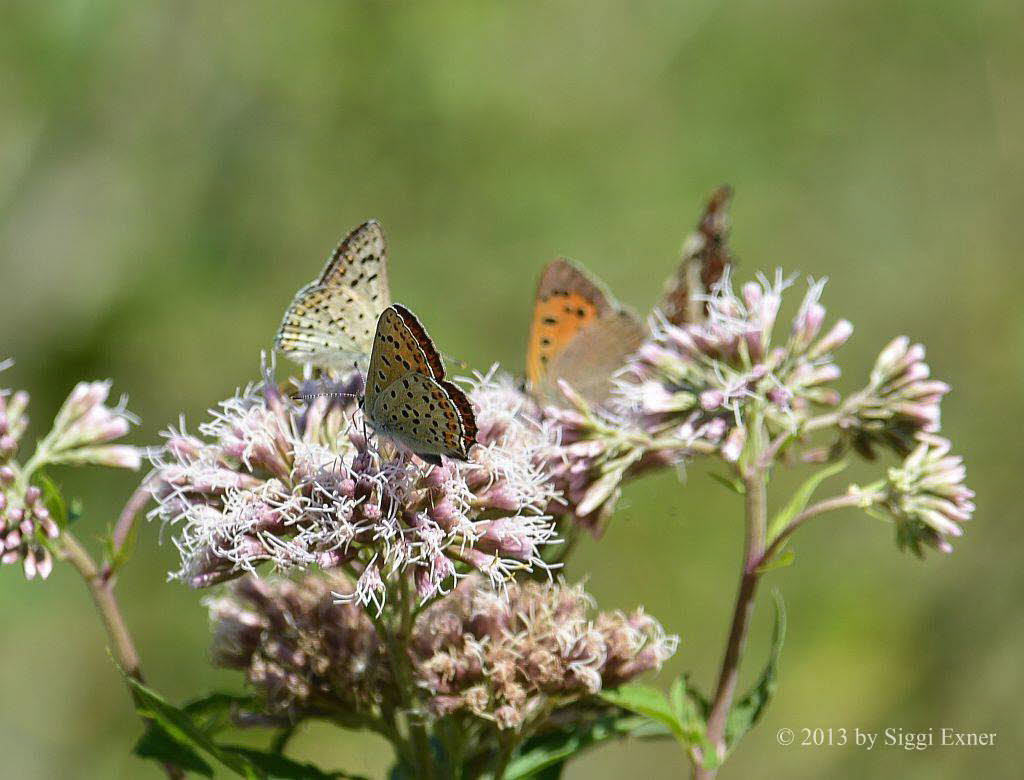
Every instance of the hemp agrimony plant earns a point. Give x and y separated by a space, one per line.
355 584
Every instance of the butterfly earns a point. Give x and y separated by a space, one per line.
330 322
578 333
407 399
705 257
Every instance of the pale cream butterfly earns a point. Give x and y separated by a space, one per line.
408 399
330 322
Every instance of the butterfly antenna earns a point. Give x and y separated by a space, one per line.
462 364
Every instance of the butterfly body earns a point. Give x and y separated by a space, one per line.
578 334
407 398
330 322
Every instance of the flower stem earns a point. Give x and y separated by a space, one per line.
102 592
398 650
756 506
820 508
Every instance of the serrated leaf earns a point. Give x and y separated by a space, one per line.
801 498
745 713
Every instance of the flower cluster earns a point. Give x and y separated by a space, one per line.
501 657
899 402
507 658
301 649
82 434
696 381
293 480
927 497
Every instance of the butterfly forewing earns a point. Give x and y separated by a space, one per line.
578 334
567 301
705 257
400 345
360 264
330 323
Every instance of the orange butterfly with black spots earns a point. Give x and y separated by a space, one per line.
578 334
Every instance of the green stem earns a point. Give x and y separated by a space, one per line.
756 509
102 592
398 652
820 508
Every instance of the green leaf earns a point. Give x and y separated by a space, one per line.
543 756
213 713
778 562
646 700
690 708
157 745
274 766
801 498
748 711
180 726
733 484
53 499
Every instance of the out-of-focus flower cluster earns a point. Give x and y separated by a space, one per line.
504 658
926 496
697 380
303 651
292 480
82 434
508 657
899 401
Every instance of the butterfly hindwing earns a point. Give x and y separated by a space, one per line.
428 416
592 358
330 322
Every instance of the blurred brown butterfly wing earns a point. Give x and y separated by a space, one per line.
705 256
589 362
577 334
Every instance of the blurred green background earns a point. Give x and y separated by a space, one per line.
171 172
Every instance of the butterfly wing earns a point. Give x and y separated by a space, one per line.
578 334
428 416
360 264
330 322
400 346
567 300
705 256
593 356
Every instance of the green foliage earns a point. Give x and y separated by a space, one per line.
53 499
185 737
544 756
748 710
801 498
